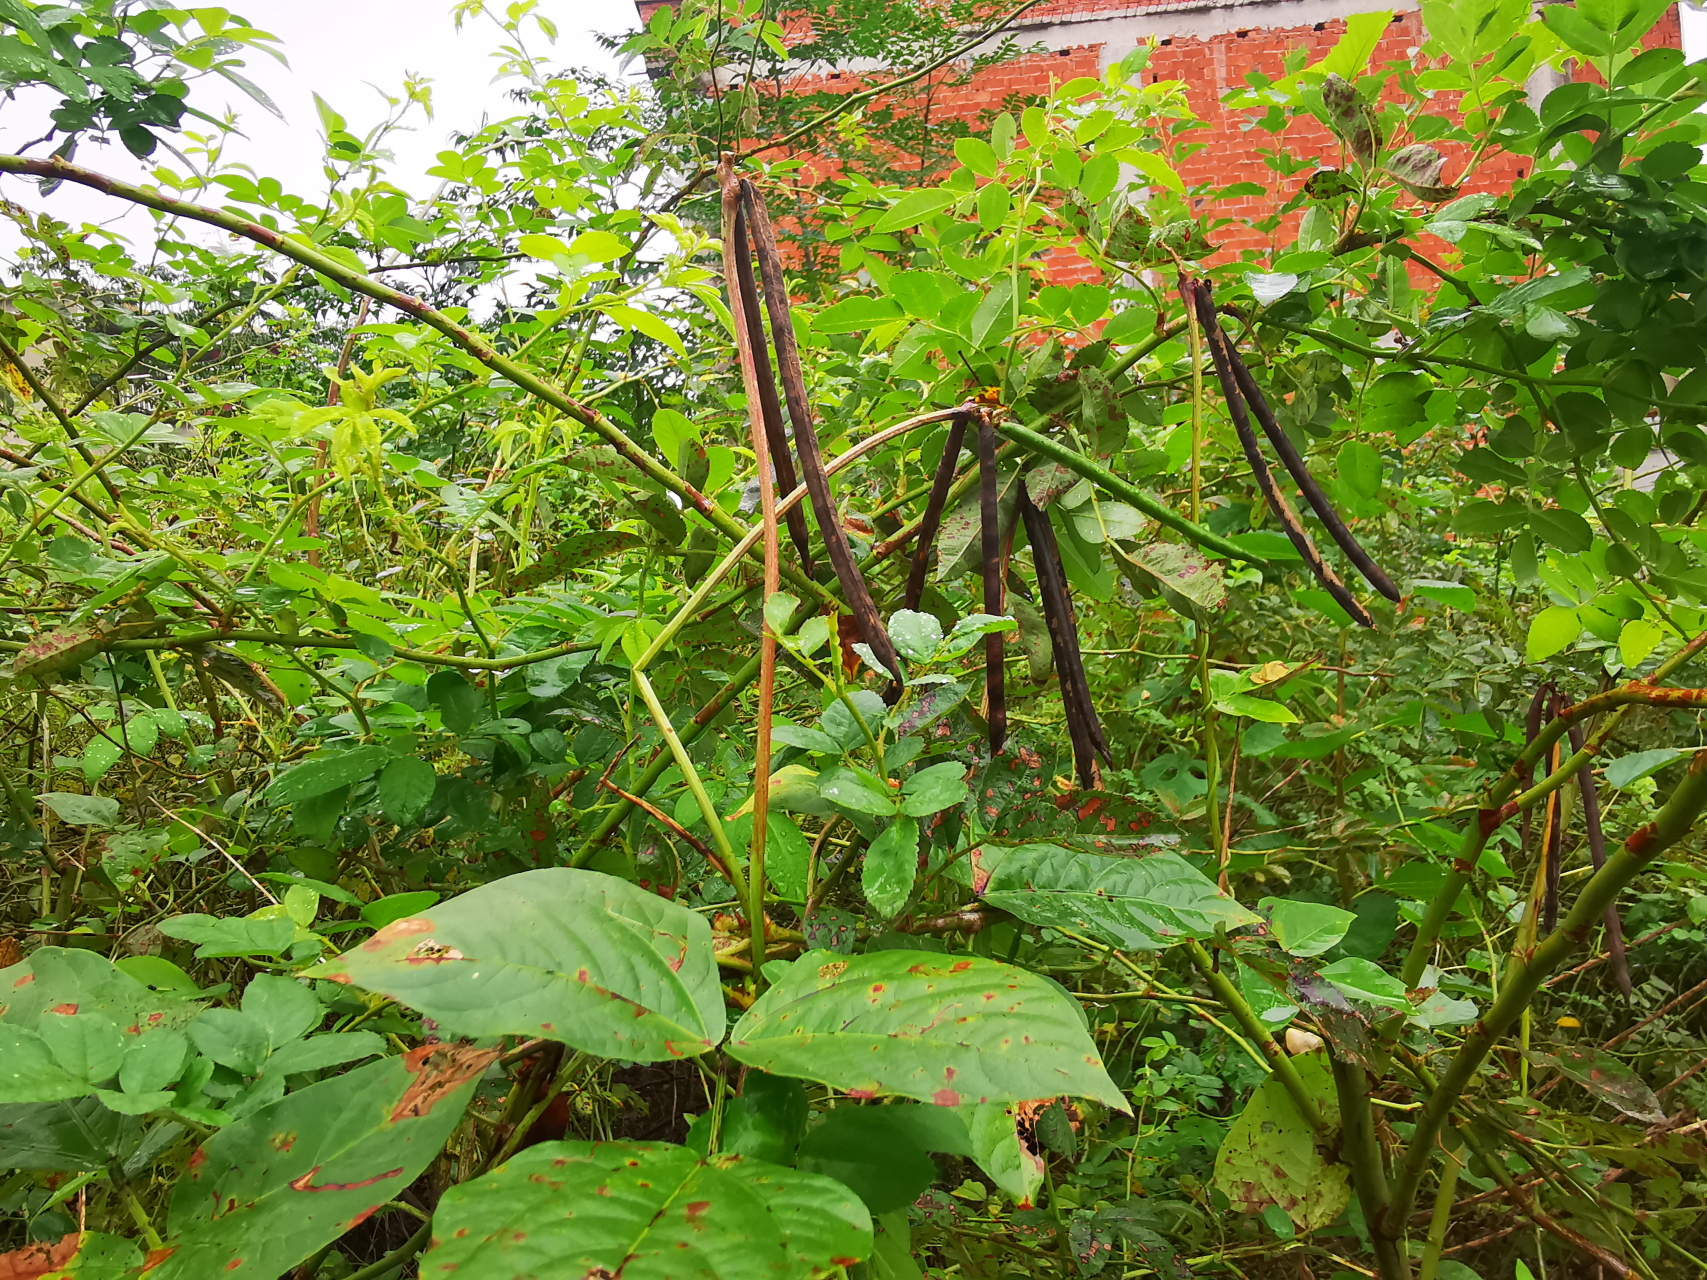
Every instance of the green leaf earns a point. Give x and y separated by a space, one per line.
891 863
1577 32
153 1061
101 754
1361 979
382 911
856 790
978 156
1360 468
326 771
646 1212
1265 710
266 1192
1192 586
1306 928
787 854
29 1071
1550 631
1638 638
672 429
916 635
1452 594
1632 768
405 787
915 1025
573 552
934 789
460 704
600 246
232 936
82 811
88 1045
854 314
882 1153
1147 903
1001 1153
571 955
917 206
1270 1157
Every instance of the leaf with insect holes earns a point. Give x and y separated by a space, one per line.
1269 1156
273 1188
570 955
911 1024
645 1211
573 552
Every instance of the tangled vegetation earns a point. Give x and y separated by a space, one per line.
676 708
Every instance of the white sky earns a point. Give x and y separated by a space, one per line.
336 48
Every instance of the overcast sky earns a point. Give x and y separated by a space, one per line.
336 48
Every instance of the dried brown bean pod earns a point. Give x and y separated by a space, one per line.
854 590
1082 726
941 483
770 409
1597 854
1531 730
1294 462
990 538
1191 290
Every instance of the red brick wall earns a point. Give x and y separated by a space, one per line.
1227 152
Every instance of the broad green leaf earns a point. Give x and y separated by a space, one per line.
101 754
915 1025
917 206
1550 631
1632 768
977 155
326 771
382 911
916 635
787 855
1148 903
266 1192
854 314
856 790
1360 468
600 246
232 936
934 789
1270 1157
571 955
1011 1163
1452 594
883 1152
645 1212
1264 710
405 787
1363 980
1306 928
1638 638
29 1071
460 704
891 864
87 1045
82 811
153 1061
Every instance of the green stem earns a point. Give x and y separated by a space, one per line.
1105 479
1361 1149
1525 974
1442 1212
1228 993
398 1256
138 1214
696 785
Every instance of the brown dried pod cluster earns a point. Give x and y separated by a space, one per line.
1244 398
755 237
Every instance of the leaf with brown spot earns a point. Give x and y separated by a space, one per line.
250 1207
571 955
645 1212
951 1030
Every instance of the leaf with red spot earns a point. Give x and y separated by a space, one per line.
570 955
1606 1077
948 1030
1026 792
268 1191
89 1255
1147 903
645 1212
